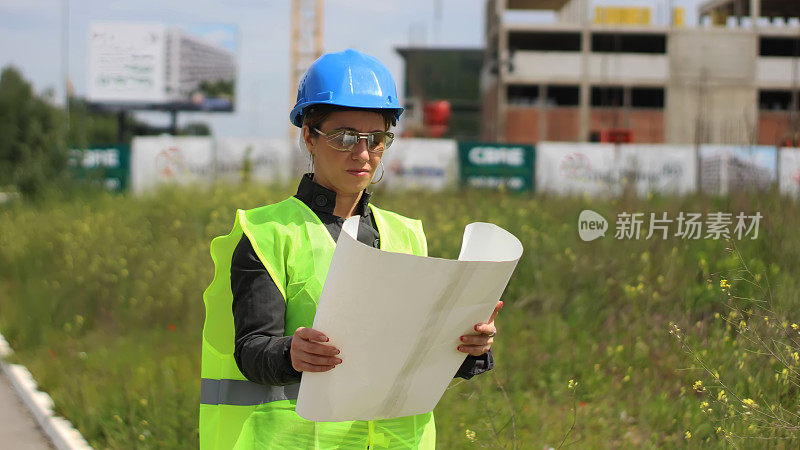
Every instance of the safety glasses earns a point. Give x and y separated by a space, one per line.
345 140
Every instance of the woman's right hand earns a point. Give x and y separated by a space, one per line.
309 354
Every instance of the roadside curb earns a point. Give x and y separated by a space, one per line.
59 430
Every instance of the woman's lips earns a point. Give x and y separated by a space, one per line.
358 172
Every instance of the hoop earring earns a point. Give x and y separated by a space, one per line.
383 171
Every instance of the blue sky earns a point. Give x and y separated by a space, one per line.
31 39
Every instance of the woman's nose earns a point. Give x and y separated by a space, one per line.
360 150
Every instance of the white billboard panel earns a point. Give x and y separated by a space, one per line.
157 160
606 169
256 159
127 62
162 66
726 168
668 169
575 168
429 164
789 168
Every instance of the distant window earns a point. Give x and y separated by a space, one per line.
775 100
614 96
539 41
647 97
521 94
557 95
607 96
778 46
629 43
563 95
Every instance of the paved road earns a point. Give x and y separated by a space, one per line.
18 429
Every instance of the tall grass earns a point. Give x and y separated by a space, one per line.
102 300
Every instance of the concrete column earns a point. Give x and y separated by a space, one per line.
755 11
626 106
542 112
502 67
585 88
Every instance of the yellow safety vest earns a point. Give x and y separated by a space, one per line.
296 249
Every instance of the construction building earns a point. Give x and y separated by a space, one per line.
613 74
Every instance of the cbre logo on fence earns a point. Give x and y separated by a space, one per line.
107 165
492 156
489 165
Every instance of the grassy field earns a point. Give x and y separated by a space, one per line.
102 300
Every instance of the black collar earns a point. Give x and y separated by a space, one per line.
322 199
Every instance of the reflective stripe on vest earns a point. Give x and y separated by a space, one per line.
296 250
243 392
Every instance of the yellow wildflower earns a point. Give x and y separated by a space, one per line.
471 435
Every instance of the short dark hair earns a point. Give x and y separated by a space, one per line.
314 115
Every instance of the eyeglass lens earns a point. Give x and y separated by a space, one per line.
350 138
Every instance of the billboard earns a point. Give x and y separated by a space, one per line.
259 160
489 165
727 168
575 168
428 164
108 165
606 169
160 160
157 160
668 169
789 171
159 66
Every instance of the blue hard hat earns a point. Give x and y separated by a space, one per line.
350 79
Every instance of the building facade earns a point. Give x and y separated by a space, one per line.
732 80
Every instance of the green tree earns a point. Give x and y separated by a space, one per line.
196 129
87 127
33 155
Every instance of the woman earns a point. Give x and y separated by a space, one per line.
269 273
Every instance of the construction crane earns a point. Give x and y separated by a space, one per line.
306 43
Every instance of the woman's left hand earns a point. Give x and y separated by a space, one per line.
481 342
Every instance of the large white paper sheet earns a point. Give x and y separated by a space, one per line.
396 319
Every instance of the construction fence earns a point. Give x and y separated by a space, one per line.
566 168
